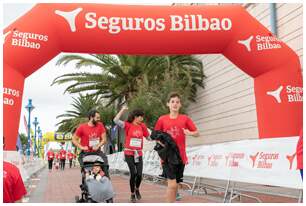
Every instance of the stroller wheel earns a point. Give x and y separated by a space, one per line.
90 200
111 200
77 198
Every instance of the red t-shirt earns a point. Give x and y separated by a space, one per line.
134 137
70 155
90 136
175 127
50 155
62 154
13 187
299 151
57 155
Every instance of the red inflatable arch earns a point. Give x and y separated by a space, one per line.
48 29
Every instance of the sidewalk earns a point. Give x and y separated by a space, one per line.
62 187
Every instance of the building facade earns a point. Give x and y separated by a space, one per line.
225 109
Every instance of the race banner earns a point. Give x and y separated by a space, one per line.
265 161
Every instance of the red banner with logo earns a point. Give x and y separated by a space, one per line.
48 29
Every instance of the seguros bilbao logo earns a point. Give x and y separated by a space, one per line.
263 160
293 93
290 159
260 43
115 25
27 39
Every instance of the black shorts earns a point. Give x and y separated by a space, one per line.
174 171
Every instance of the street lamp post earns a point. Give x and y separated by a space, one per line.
35 125
30 108
39 139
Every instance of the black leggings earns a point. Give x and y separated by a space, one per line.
62 163
50 164
135 171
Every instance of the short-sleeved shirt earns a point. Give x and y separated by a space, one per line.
57 155
70 155
90 135
175 127
299 151
134 137
13 187
62 154
50 155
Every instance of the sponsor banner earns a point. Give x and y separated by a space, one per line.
265 161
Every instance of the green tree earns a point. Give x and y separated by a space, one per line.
81 106
24 140
121 76
153 101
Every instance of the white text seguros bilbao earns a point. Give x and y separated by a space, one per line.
26 39
294 94
7 95
115 25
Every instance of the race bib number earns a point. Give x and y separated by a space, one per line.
135 142
51 156
93 142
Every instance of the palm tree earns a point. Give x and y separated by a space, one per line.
72 118
121 76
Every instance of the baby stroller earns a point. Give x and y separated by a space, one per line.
94 189
56 164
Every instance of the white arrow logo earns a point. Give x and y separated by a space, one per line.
276 94
5 35
247 43
70 17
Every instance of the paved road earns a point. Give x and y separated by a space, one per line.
62 187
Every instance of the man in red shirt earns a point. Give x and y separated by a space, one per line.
90 136
50 155
178 126
62 158
70 157
13 187
299 153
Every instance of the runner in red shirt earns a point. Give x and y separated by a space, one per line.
70 157
135 130
92 135
299 153
13 187
62 154
74 159
50 155
57 156
178 126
